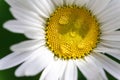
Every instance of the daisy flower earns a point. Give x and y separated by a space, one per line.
65 35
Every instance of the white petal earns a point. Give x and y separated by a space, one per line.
40 62
113 36
26 4
36 34
81 2
46 71
111 44
97 5
99 65
110 26
42 8
51 4
96 72
62 70
111 12
111 51
69 2
58 2
18 27
16 3
53 71
111 66
13 59
27 45
21 71
27 16
38 10
36 63
57 70
116 55
48 5
71 71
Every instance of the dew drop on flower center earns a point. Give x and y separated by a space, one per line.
72 32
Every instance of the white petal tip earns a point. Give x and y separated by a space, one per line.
3 65
5 25
27 74
19 73
10 26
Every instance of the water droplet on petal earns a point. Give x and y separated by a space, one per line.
72 34
64 20
80 46
63 49
55 58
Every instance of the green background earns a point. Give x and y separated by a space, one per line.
7 39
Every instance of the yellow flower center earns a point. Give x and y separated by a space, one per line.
72 32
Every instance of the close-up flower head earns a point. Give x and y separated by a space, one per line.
65 36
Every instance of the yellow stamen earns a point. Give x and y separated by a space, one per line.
72 32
